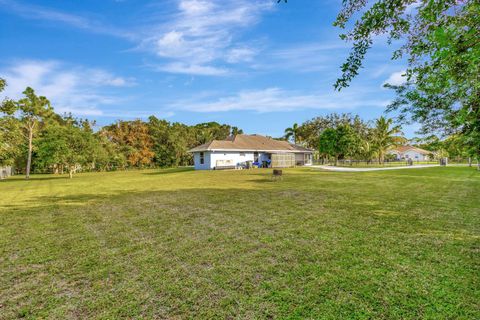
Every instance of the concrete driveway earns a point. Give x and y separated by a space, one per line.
347 169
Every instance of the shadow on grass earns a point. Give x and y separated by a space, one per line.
262 191
34 178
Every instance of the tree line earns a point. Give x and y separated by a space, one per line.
440 42
347 136
33 138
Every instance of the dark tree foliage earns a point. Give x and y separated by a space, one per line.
134 141
33 136
339 142
309 131
441 41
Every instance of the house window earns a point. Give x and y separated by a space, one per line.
255 157
202 158
242 154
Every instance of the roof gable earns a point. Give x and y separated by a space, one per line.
403 149
250 143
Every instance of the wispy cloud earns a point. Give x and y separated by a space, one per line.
69 88
396 78
278 100
201 37
202 33
304 57
191 69
35 12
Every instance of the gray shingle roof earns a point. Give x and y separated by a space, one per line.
243 142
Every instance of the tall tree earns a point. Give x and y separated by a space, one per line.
310 130
327 143
385 136
10 133
293 133
32 111
339 142
212 131
65 145
440 41
236 130
134 141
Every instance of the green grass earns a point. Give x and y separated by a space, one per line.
232 244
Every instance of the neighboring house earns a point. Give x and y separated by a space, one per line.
241 150
409 152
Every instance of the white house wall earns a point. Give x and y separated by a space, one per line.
410 154
207 163
415 156
212 157
397 154
235 157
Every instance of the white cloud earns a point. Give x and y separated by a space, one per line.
204 33
304 57
69 88
180 67
46 14
236 55
397 78
277 100
195 7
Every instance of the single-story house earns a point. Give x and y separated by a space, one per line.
409 152
243 150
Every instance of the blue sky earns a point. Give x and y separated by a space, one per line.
254 64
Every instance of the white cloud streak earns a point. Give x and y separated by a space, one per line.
396 78
195 39
36 12
279 100
70 89
203 33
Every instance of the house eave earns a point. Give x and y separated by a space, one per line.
251 150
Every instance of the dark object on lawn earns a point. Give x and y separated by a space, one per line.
277 174
409 162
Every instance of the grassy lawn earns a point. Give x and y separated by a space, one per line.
232 244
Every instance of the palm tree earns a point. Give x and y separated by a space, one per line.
367 150
235 131
385 136
292 132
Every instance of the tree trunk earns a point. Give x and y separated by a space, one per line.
469 161
30 148
336 160
70 172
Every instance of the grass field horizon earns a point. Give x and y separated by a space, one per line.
179 243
